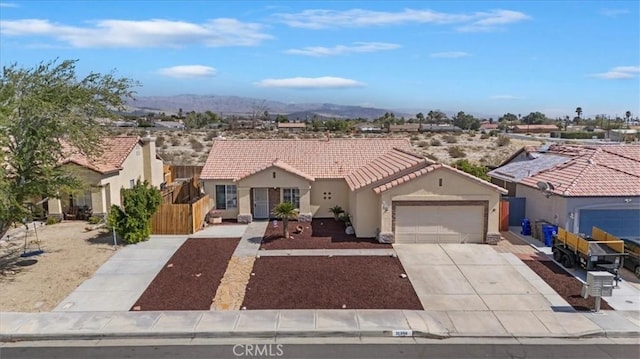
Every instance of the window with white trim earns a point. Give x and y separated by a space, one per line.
226 197
291 195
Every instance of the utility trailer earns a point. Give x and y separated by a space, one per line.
600 251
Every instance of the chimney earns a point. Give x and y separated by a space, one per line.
152 167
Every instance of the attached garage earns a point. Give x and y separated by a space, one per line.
623 223
440 221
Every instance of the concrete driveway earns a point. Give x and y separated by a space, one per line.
474 277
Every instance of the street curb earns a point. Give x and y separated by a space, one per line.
298 334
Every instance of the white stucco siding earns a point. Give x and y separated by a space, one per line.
455 187
327 193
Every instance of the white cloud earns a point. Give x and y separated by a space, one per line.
506 97
145 33
491 21
323 19
614 12
357 47
186 71
449 54
8 4
310 82
619 73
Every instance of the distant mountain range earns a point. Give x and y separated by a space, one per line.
235 105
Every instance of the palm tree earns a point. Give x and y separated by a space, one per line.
579 112
285 211
628 116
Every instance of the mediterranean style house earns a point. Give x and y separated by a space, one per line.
389 192
124 160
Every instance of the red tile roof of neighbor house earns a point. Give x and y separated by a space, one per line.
115 151
361 162
593 171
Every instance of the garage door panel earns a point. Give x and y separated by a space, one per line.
439 224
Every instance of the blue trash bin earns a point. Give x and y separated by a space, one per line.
526 227
547 231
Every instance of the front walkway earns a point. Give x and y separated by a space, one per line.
230 292
120 281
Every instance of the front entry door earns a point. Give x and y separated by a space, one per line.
261 203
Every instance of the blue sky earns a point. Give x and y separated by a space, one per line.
476 56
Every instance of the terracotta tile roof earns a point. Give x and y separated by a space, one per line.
383 163
430 168
317 158
593 171
115 151
389 164
279 164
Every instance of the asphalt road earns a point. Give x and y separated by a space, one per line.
445 351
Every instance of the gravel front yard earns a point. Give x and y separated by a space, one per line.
323 233
566 285
329 283
189 279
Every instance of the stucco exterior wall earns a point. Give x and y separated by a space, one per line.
210 189
455 187
326 193
368 211
560 210
538 207
274 178
153 171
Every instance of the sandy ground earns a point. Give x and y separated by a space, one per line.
71 255
192 147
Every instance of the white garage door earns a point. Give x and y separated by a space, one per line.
439 224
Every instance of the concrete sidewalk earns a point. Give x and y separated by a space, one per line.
120 281
315 323
327 252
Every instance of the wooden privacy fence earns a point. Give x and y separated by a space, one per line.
180 218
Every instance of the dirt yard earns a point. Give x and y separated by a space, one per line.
191 147
71 255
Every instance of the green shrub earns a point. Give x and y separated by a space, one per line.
503 141
450 138
94 220
160 141
132 221
423 144
196 145
475 170
484 136
175 142
456 152
435 142
211 135
581 135
52 220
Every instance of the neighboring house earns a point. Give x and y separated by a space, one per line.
578 187
486 126
430 127
534 128
124 160
367 127
407 127
170 124
292 126
388 191
622 135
